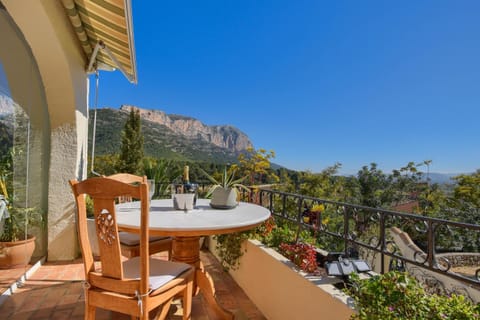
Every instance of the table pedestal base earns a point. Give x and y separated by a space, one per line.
187 250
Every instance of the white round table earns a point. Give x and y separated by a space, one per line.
201 221
186 229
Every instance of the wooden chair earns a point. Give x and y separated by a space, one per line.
134 286
130 242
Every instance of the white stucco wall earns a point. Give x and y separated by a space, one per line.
281 292
61 63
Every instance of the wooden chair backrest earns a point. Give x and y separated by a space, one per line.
127 178
104 191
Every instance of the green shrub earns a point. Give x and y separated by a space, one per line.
229 248
396 295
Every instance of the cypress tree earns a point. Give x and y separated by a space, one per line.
131 153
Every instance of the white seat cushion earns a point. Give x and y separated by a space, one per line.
161 271
133 239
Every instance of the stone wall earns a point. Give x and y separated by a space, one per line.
461 259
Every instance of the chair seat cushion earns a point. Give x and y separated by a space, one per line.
133 239
161 271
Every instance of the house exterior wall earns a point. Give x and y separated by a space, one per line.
61 64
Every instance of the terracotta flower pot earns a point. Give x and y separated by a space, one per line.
16 254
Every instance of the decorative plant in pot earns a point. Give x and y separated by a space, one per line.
224 192
16 242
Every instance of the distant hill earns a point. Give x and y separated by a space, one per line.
441 178
170 136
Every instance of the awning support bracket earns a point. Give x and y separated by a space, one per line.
93 66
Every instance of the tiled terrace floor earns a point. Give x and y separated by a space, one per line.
55 291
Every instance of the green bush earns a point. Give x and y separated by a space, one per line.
396 295
229 248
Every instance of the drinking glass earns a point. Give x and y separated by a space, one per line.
151 189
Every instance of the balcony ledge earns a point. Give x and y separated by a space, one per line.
270 280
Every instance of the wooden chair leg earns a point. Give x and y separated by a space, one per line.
163 310
187 300
169 257
90 312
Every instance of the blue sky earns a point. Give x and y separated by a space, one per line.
318 82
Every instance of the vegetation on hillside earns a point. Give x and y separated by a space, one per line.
160 141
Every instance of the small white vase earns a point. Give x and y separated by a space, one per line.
183 201
224 198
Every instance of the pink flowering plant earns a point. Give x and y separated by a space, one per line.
302 254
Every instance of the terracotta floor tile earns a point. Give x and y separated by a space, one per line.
55 291
42 314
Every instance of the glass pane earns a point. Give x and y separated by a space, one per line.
24 132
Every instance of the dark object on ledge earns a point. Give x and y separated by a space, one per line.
345 266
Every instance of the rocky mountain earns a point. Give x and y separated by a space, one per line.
6 126
227 137
170 136
6 105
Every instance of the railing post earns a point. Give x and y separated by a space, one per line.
299 218
346 229
270 205
383 242
430 243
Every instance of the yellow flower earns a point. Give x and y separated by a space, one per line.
318 208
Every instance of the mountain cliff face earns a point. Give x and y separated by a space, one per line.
170 136
6 105
227 137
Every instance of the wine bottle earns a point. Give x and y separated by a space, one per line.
189 187
186 175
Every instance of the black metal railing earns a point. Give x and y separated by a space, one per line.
356 228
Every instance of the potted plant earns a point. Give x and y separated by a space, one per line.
224 193
17 243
